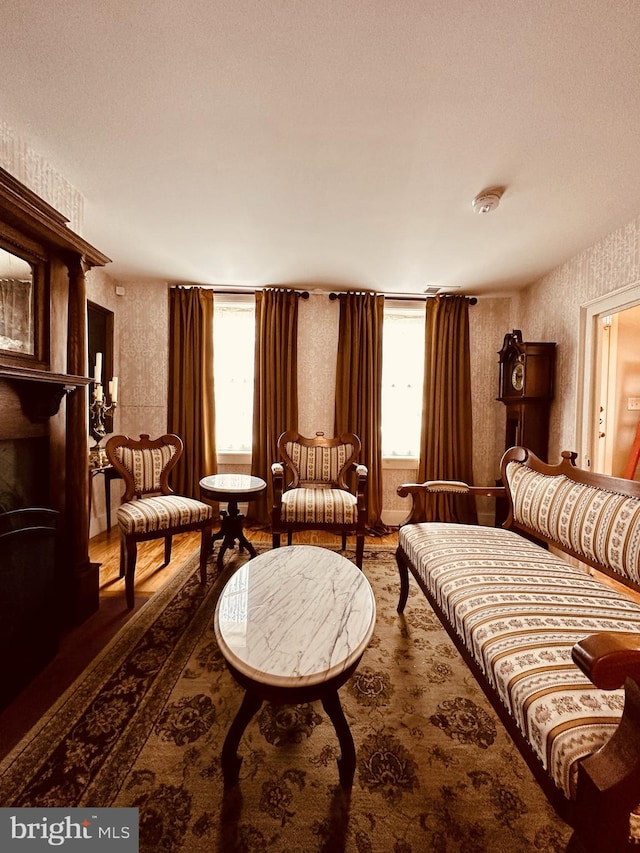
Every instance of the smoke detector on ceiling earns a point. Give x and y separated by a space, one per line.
487 200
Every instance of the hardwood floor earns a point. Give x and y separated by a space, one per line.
150 575
81 644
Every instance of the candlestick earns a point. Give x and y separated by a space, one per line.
97 373
99 408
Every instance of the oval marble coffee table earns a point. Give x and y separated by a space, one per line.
292 625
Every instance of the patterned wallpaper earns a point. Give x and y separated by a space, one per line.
141 345
318 320
19 158
549 310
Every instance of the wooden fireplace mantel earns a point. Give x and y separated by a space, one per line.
39 382
40 391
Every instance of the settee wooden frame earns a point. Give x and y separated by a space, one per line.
608 787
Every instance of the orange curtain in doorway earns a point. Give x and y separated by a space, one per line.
191 408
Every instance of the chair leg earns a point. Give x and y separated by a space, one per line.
205 548
344 541
123 557
167 549
359 549
130 571
275 540
289 537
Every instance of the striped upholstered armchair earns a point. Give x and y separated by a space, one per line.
311 489
150 509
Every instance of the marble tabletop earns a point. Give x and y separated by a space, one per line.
295 616
231 483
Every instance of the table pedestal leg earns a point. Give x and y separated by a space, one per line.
347 760
231 761
230 531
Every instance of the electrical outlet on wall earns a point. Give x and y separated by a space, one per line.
633 404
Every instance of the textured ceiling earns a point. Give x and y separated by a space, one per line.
333 143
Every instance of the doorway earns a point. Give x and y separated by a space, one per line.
611 387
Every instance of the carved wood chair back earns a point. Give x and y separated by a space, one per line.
144 464
318 461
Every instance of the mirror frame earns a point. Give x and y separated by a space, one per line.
35 256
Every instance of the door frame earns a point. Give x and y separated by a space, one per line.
606 386
612 303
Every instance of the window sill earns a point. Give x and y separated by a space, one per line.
404 462
234 457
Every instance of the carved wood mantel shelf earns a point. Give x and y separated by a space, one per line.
41 392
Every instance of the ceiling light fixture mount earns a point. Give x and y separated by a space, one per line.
487 200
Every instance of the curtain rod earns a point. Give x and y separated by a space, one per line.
243 291
332 296
304 294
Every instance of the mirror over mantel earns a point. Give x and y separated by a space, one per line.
24 307
17 305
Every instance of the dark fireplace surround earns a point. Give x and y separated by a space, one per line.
43 395
24 473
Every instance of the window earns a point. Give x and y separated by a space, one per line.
233 354
402 378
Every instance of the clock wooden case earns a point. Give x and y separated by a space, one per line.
526 389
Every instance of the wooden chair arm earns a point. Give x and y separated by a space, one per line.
362 477
362 474
277 480
456 486
608 658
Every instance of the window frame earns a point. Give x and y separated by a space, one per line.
227 456
416 309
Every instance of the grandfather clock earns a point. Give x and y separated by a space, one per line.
526 389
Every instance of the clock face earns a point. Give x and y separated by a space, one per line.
517 376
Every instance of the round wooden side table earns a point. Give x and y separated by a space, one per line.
231 489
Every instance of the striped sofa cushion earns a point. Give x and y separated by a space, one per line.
318 464
592 522
319 506
519 610
149 515
146 466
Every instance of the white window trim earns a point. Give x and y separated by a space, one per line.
413 310
400 462
234 457
222 300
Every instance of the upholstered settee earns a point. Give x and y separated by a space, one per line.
546 613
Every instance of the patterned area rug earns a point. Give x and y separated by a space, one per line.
144 728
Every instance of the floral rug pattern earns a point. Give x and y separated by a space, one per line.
144 728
